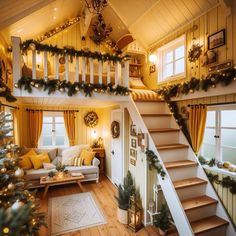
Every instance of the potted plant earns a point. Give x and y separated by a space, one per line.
162 220
124 193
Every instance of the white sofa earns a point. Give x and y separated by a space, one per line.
91 173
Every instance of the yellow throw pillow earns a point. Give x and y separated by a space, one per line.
77 161
38 160
25 162
87 157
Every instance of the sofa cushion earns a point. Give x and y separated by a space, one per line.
57 160
25 162
52 152
82 169
87 157
38 160
74 151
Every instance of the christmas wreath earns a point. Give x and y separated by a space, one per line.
91 119
194 52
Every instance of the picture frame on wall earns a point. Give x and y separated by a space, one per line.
133 152
133 143
133 130
133 162
216 40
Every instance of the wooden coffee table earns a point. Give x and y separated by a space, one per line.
58 181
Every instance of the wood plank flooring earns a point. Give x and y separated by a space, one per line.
104 192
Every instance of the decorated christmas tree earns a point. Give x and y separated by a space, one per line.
18 207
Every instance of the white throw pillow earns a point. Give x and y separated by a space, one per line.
48 166
74 151
68 161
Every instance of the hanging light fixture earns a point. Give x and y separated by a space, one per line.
96 6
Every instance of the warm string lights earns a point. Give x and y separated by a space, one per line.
58 29
71 89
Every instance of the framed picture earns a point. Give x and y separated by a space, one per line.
133 143
133 130
140 137
216 40
152 69
133 162
133 152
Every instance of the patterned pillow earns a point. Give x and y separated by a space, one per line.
77 161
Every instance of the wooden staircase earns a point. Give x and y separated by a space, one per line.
205 213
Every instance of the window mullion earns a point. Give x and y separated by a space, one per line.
53 133
218 133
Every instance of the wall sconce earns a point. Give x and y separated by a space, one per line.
94 134
152 58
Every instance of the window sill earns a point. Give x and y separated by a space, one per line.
172 80
222 171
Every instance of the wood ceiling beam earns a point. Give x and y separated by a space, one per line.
12 19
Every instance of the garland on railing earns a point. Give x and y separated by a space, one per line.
224 77
226 182
154 162
71 88
34 45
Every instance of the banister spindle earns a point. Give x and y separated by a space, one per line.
100 72
45 64
77 69
91 70
56 67
33 64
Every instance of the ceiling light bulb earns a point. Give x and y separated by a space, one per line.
152 58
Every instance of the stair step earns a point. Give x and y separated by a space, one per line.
179 164
184 183
207 224
161 114
197 202
171 146
162 130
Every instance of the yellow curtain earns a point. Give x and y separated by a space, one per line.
2 108
35 119
197 122
16 127
69 119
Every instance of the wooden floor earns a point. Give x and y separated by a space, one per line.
104 192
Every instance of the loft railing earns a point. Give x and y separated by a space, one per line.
81 70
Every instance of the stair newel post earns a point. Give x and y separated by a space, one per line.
45 65
56 66
108 72
77 69
16 58
91 70
67 68
33 64
100 72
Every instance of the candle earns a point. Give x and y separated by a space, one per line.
133 219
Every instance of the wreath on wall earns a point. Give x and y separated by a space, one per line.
91 119
115 129
194 52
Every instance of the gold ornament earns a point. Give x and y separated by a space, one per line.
3 170
6 230
32 46
11 186
19 172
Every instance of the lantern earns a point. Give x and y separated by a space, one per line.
134 215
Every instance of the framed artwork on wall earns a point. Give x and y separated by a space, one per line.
133 152
133 143
133 130
133 162
216 40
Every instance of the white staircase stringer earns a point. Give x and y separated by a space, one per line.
172 199
210 191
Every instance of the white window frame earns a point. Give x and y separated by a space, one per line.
53 115
161 52
218 128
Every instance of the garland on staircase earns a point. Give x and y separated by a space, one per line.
39 47
211 81
154 162
226 182
71 89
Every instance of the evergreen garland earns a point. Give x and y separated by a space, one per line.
211 81
226 182
71 89
154 162
39 47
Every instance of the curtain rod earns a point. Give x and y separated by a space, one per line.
212 104
5 105
50 110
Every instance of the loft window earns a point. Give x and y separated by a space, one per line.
171 60
53 130
220 135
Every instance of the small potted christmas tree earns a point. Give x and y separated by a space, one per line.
162 221
124 193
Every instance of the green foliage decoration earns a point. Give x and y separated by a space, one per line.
162 220
51 86
154 163
125 191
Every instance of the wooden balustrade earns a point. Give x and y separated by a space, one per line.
83 68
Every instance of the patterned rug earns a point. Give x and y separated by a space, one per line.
74 212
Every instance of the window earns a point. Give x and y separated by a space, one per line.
220 135
53 130
171 60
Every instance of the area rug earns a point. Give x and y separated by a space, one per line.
73 212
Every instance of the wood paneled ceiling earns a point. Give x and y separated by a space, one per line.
147 20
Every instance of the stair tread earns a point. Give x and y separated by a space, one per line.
156 114
162 130
196 202
177 164
183 183
171 146
208 223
